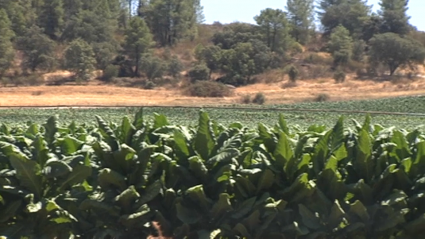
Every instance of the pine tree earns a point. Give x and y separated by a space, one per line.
352 14
7 52
138 41
79 58
51 18
170 20
395 19
38 49
274 27
340 45
301 18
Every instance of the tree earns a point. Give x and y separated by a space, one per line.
79 58
38 49
352 14
301 19
152 66
7 52
51 18
340 45
211 56
275 28
395 51
199 72
175 66
393 14
138 41
170 20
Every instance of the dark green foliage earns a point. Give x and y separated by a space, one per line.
259 98
358 51
301 19
211 180
138 42
199 72
395 51
208 89
38 50
110 72
339 76
340 45
292 72
51 18
171 20
394 16
152 66
274 27
79 58
351 14
175 67
7 52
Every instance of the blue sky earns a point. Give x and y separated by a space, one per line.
227 11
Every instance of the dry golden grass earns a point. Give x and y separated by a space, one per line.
98 94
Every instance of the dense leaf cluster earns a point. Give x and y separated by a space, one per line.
210 180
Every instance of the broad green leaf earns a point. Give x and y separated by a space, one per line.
108 177
418 166
244 208
283 125
363 162
336 214
137 219
337 134
159 121
198 168
69 145
224 156
300 189
197 195
151 192
187 215
181 143
240 229
56 168
416 226
28 173
308 217
127 131
107 134
51 128
204 139
78 175
253 220
10 210
222 206
127 198
138 119
268 138
283 152
266 180
357 208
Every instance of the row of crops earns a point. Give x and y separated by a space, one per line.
210 181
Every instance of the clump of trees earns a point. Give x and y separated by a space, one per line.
120 37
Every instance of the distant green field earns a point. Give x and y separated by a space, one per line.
249 117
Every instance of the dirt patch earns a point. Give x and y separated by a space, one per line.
276 93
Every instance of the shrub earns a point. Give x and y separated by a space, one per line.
292 72
339 76
149 85
199 72
322 97
152 66
175 66
246 99
208 89
110 72
259 98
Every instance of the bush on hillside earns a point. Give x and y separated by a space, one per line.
208 89
259 99
199 72
110 72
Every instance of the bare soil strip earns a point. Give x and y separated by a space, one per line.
97 95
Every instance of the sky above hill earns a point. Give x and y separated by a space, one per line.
226 11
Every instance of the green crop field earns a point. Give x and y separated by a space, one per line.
249 117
